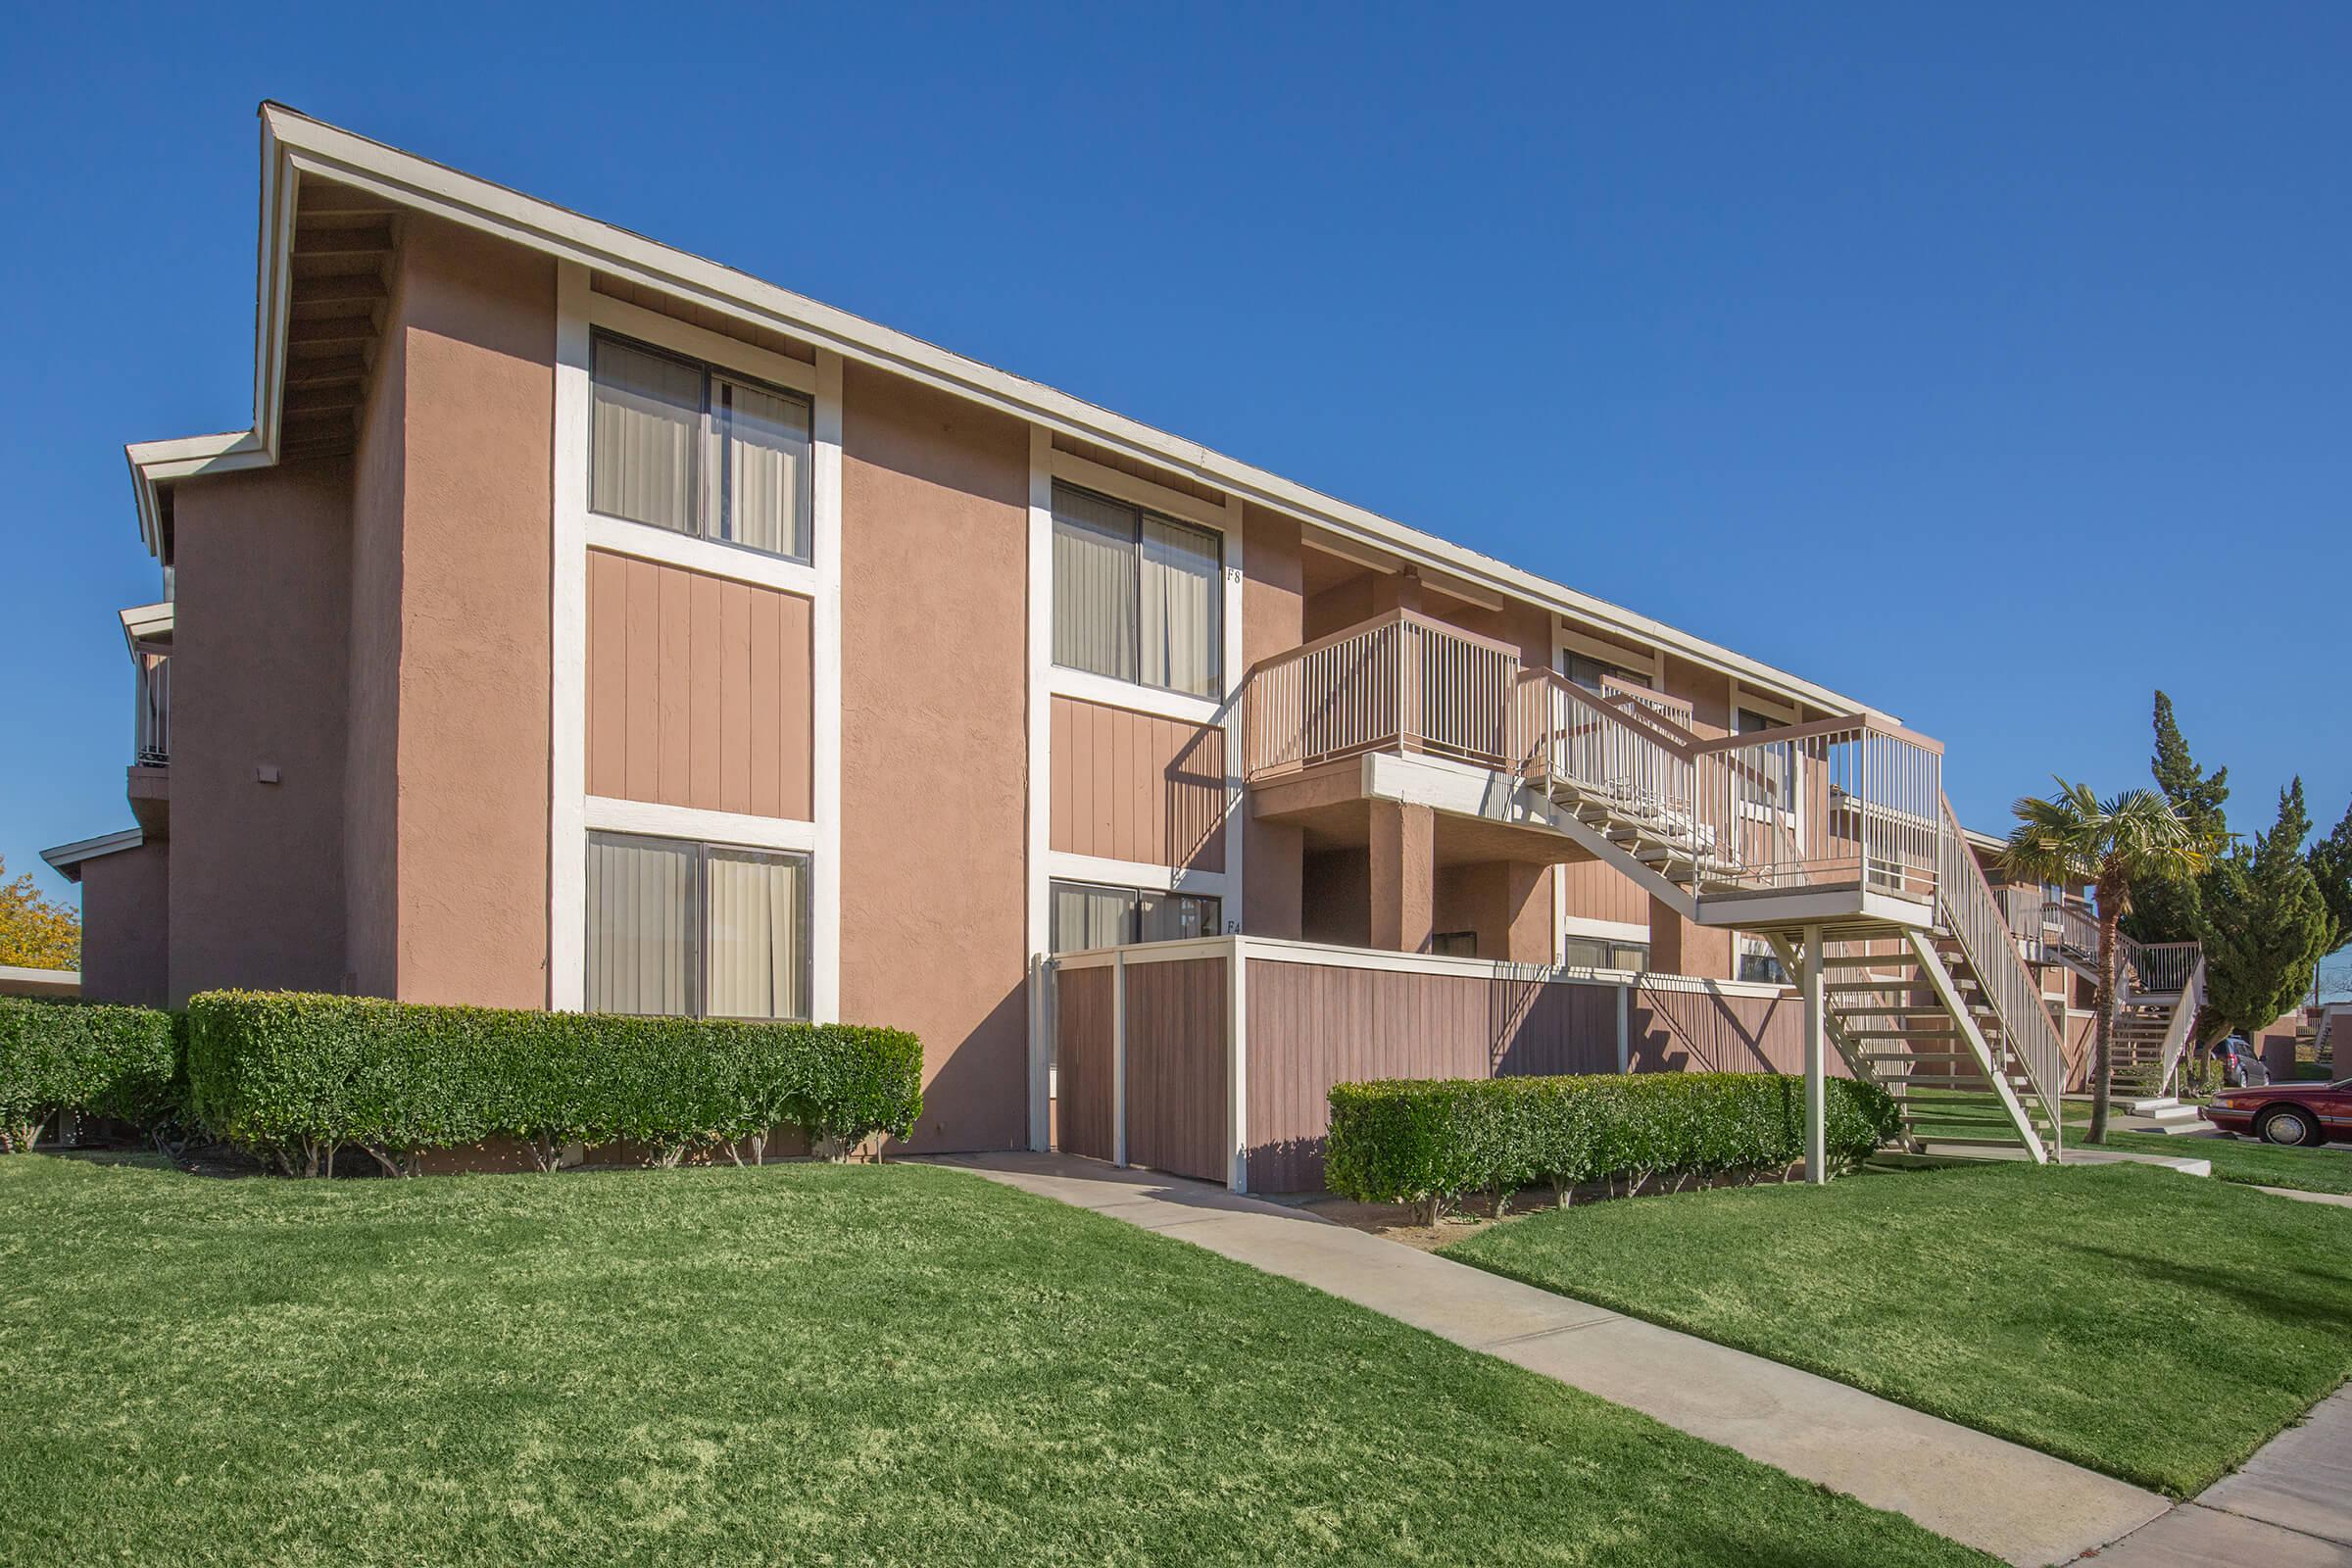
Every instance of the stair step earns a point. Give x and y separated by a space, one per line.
1978 1143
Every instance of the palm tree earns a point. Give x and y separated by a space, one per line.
2075 837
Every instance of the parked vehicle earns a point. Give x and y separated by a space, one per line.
2240 1067
2299 1113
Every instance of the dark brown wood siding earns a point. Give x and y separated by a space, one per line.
1697 1031
1315 1025
1081 1062
1176 1060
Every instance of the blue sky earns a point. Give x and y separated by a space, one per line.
2022 331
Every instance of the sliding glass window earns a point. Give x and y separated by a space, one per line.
700 930
677 445
1137 597
1087 915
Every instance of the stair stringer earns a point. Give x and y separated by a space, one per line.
1940 979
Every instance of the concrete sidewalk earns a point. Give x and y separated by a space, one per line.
2289 1508
1998 1497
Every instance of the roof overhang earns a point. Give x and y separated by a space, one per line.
295 146
144 624
66 858
17 981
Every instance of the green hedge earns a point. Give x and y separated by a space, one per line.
295 1076
77 1056
1428 1142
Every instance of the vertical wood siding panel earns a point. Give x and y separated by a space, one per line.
796 717
735 697
1082 1058
644 633
674 741
702 712
699 690
608 675
763 744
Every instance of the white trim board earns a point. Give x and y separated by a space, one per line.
572 812
1143 875
1282 949
605 813
1107 691
293 145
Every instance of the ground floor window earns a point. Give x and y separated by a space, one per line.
1454 944
1759 965
1595 953
1090 915
700 930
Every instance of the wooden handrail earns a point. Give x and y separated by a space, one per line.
1387 618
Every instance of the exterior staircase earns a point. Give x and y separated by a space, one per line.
1840 829
2160 989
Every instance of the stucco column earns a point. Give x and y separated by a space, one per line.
1403 875
1527 903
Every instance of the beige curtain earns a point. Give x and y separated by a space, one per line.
647 421
764 445
1094 585
640 920
1183 633
759 940
1085 916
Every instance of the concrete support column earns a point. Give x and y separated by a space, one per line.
1395 590
1403 875
1817 1067
1526 914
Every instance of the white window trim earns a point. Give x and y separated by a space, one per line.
1109 691
572 812
606 814
1646 661
713 558
1145 877
1048 681
1577 926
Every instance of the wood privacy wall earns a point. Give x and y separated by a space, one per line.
1082 1022
699 690
1136 787
1315 1025
1311 1025
1176 1060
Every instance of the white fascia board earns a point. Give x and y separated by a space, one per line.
66 858
298 145
154 462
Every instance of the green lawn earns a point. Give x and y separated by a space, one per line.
803 1363
2155 1326
2326 1168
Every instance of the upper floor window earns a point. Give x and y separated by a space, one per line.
1137 596
679 445
1589 673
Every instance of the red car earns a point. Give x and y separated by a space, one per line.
2285 1114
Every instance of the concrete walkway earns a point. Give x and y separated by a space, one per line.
2339 1200
1998 1497
2289 1508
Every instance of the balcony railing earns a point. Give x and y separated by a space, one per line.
1398 683
152 719
1845 802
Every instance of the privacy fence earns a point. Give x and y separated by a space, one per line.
1215 1057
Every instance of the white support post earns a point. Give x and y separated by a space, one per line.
1625 1026
1119 1059
1236 1064
1817 1050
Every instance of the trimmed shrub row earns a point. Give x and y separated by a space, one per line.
295 1076
82 1057
1428 1142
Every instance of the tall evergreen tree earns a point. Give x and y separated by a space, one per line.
2267 925
2166 905
2330 862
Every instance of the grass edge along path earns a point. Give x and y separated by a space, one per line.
2152 1325
800 1363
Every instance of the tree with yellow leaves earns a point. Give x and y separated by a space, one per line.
34 933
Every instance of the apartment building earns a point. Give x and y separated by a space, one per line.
581 623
